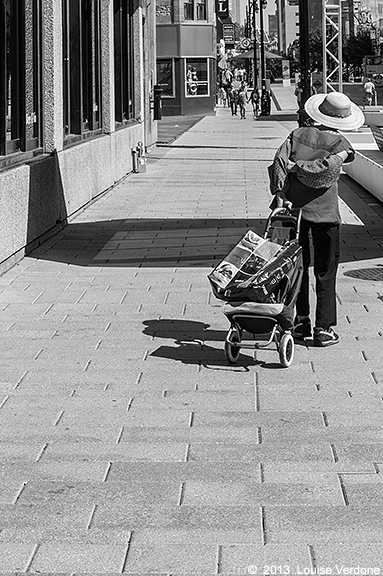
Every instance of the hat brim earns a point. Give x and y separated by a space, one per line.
352 122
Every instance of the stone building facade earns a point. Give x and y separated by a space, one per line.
76 86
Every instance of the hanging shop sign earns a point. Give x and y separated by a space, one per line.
222 9
228 33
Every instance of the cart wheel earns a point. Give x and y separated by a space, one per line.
286 350
232 352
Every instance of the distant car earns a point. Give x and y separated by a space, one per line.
377 79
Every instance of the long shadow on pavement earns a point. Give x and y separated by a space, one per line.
178 242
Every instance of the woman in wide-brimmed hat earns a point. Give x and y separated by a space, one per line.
305 174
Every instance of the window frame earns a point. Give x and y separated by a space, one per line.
189 10
201 7
124 71
21 115
173 85
82 82
187 63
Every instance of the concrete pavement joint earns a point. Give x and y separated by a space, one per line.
263 525
42 451
108 468
5 399
21 379
20 491
219 560
120 435
374 377
125 560
123 297
37 297
32 557
87 365
58 419
343 490
312 558
256 392
261 473
182 493
334 453
92 514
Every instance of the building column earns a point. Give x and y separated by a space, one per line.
107 64
53 130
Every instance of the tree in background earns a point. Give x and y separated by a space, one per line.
354 49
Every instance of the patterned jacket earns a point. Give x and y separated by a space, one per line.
306 169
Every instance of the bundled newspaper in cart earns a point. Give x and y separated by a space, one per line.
253 269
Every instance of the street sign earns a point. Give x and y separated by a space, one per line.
245 43
317 82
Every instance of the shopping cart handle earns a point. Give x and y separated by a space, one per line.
284 212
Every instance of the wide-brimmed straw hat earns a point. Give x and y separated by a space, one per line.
334 110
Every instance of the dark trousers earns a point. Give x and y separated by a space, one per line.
325 239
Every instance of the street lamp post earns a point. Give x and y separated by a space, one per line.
304 50
265 102
255 76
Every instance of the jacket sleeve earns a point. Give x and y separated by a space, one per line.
319 173
278 170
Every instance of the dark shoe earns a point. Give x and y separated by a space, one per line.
302 329
325 337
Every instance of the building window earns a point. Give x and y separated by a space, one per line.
201 10
20 76
196 77
123 60
165 77
189 10
82 66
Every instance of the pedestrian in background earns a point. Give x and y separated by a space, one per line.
255 99
369 91
305 174
233 96
242 100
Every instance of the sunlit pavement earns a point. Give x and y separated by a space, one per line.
128 444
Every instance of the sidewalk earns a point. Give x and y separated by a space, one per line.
128 444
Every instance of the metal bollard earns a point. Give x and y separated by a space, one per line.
135 164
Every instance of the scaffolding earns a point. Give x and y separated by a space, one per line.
332 45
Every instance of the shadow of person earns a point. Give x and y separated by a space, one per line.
182 331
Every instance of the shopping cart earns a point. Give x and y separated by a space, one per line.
260 299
